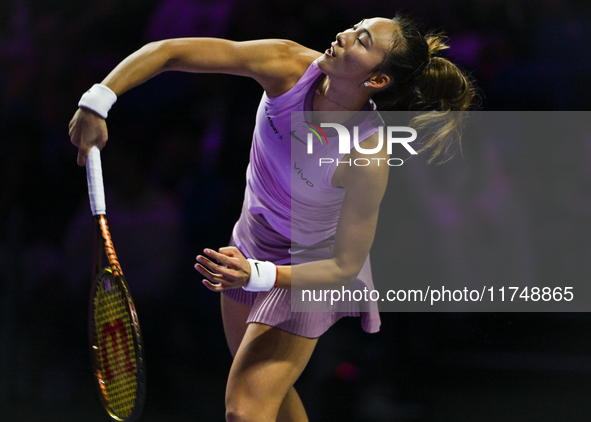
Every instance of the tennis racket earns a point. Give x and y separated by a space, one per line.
115 338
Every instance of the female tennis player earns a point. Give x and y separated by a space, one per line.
377 57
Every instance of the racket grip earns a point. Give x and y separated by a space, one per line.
94 177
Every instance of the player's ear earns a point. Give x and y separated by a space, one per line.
379 81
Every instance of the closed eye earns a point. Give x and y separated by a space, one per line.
362 32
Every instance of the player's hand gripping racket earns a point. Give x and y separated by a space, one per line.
115 338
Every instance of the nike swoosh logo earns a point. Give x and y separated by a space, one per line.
293 134
295 252
256 264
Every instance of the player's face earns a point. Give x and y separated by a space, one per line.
359 50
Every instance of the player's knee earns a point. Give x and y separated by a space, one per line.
240 408
235 416
243 414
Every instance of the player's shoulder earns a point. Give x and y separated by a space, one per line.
291 51
298 59
288 62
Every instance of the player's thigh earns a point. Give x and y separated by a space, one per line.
234 315
268 363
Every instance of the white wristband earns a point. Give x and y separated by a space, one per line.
263 275
99 99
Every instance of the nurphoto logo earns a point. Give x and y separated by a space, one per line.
345 143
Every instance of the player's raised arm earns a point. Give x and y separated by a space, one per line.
267 61
275 64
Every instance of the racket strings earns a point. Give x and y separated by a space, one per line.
115 355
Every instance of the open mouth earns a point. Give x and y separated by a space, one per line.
330 52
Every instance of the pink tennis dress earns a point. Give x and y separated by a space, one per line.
290 210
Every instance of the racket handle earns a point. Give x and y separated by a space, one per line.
94 177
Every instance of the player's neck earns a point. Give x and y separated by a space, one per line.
331 96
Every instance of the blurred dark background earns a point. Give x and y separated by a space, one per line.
174 170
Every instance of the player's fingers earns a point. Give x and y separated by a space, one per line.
221 258
210 265
83 151
212 287
206 272
82 157
232 251
102 140
215 277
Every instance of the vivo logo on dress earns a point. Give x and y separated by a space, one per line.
300 172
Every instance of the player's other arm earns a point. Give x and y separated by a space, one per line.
365 187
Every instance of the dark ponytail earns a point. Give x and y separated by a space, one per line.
423 81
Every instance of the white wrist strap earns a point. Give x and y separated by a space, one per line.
99 99
263 275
